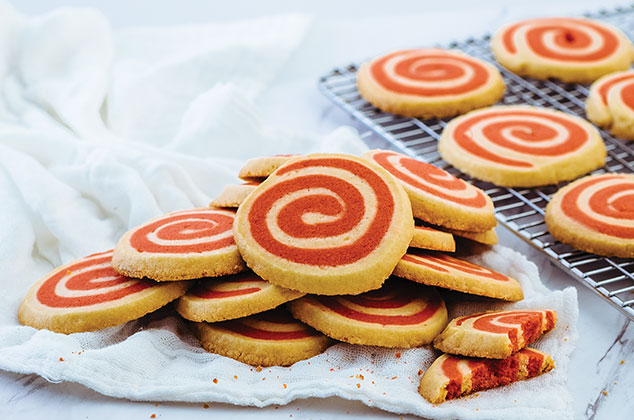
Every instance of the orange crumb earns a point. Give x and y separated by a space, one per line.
308 363
372 382
206 406
215 381
284 385
604 392
420 372
359 376
615 382
358 385
332 370
235 376
264 379
258 369
394 377
153 416
61 359
398 354
622 361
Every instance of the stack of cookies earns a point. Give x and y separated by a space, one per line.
321 247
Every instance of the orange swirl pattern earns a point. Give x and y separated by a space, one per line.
320 200
87 282
445 264
603 203
273 325
561 40
189 231
516 137
430 179
242 284
622 85
489 373
393 304
429 72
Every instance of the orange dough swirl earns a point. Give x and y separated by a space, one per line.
400 314
429 82
571 49
611 103
181 245
595 214
429 72
88 294
323 216
522 145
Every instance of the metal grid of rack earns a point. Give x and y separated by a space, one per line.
520 210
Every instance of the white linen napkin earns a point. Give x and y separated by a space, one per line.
99 131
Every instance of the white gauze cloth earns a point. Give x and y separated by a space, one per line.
100 131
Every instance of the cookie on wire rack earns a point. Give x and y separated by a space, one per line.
429 83
610 103
569 49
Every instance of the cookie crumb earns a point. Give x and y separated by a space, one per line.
235 376
420 372
398 354
61 359
284 385
215 380
258 369
604 392
206 406
153 416
622 362
358 385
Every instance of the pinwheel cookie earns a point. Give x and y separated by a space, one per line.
257 169
87 295
429 83
231 297
272 338
569 49
438 269
488 237
595 214
494 335
400 314
325 224
182 245
233 195
436 196
611 103
430 238
452 376
522 146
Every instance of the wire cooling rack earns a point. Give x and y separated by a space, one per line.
520 210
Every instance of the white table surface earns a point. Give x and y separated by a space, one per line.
601 372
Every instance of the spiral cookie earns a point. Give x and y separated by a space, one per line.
488 237
233 195
257 169
569 49
272 338
231 297
611 103
437 269
429 238
429 83
400 314
436 196
87 295
325 224
452 377
595 214
182 245
494 335
522 146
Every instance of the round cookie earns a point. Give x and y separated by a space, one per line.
272 338
595 214
88 295
437 269
430 238
400 314
569 49
494 335
325 224
611 103
429 83
257 169
436 196
522 146
231 297
182 245
453 376
233 195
